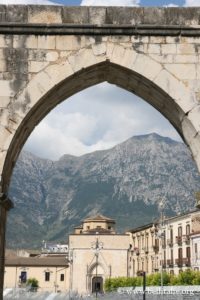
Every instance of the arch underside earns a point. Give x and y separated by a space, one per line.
87 77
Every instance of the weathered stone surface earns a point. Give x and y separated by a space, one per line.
68 43
44 14
17 14
82 46
54 52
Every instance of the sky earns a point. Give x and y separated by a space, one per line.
109 2
102 116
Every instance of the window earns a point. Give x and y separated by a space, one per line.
47 276
109 227
180 231
23 277
88 227
171 236
188 252
188 229
62 277
98 226
172 256
180 254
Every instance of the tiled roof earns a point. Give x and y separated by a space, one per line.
37 261
99 218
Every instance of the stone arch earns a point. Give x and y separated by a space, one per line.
135 72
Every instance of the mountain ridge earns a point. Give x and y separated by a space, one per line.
124 182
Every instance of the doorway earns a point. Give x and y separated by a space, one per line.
97 284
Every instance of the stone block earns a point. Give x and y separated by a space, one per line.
193 116
147 67
75 15
168 48
97 15
38 55
5 41
82 59
99 49
3 66
68 42
154 48
185 49
4 101
3 13
52 56
109 51
5 137
176 90
17 14
182 71
44 14
46 42
57 73
5 88
185 59
124 15
157 39
32 42
36 66
117 54
166 58
140 39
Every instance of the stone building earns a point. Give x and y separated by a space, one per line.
173 246
97 253
52 272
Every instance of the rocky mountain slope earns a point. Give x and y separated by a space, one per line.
125 183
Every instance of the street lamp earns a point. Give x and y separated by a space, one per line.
70 260
160 235
97 246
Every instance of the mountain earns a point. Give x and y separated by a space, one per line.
125 183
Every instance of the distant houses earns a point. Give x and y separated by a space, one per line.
96 252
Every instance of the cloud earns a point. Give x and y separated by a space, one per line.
171 5
97 118
110 2
192 3
28 2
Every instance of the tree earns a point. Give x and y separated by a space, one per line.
33 283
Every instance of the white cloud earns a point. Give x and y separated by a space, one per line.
28 2
171 5
97 118
110 2
192 3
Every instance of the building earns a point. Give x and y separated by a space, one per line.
52 272
172 246
97 253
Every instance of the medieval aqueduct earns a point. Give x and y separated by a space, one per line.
48 53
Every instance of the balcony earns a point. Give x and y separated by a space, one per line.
145 249
155 248
170 263
186 239
179 240
164 264
170 243
187 261
179 262
136 251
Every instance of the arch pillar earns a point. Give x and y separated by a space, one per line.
5 205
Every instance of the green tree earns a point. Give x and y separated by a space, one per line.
34 283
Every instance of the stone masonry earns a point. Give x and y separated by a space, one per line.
48 53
